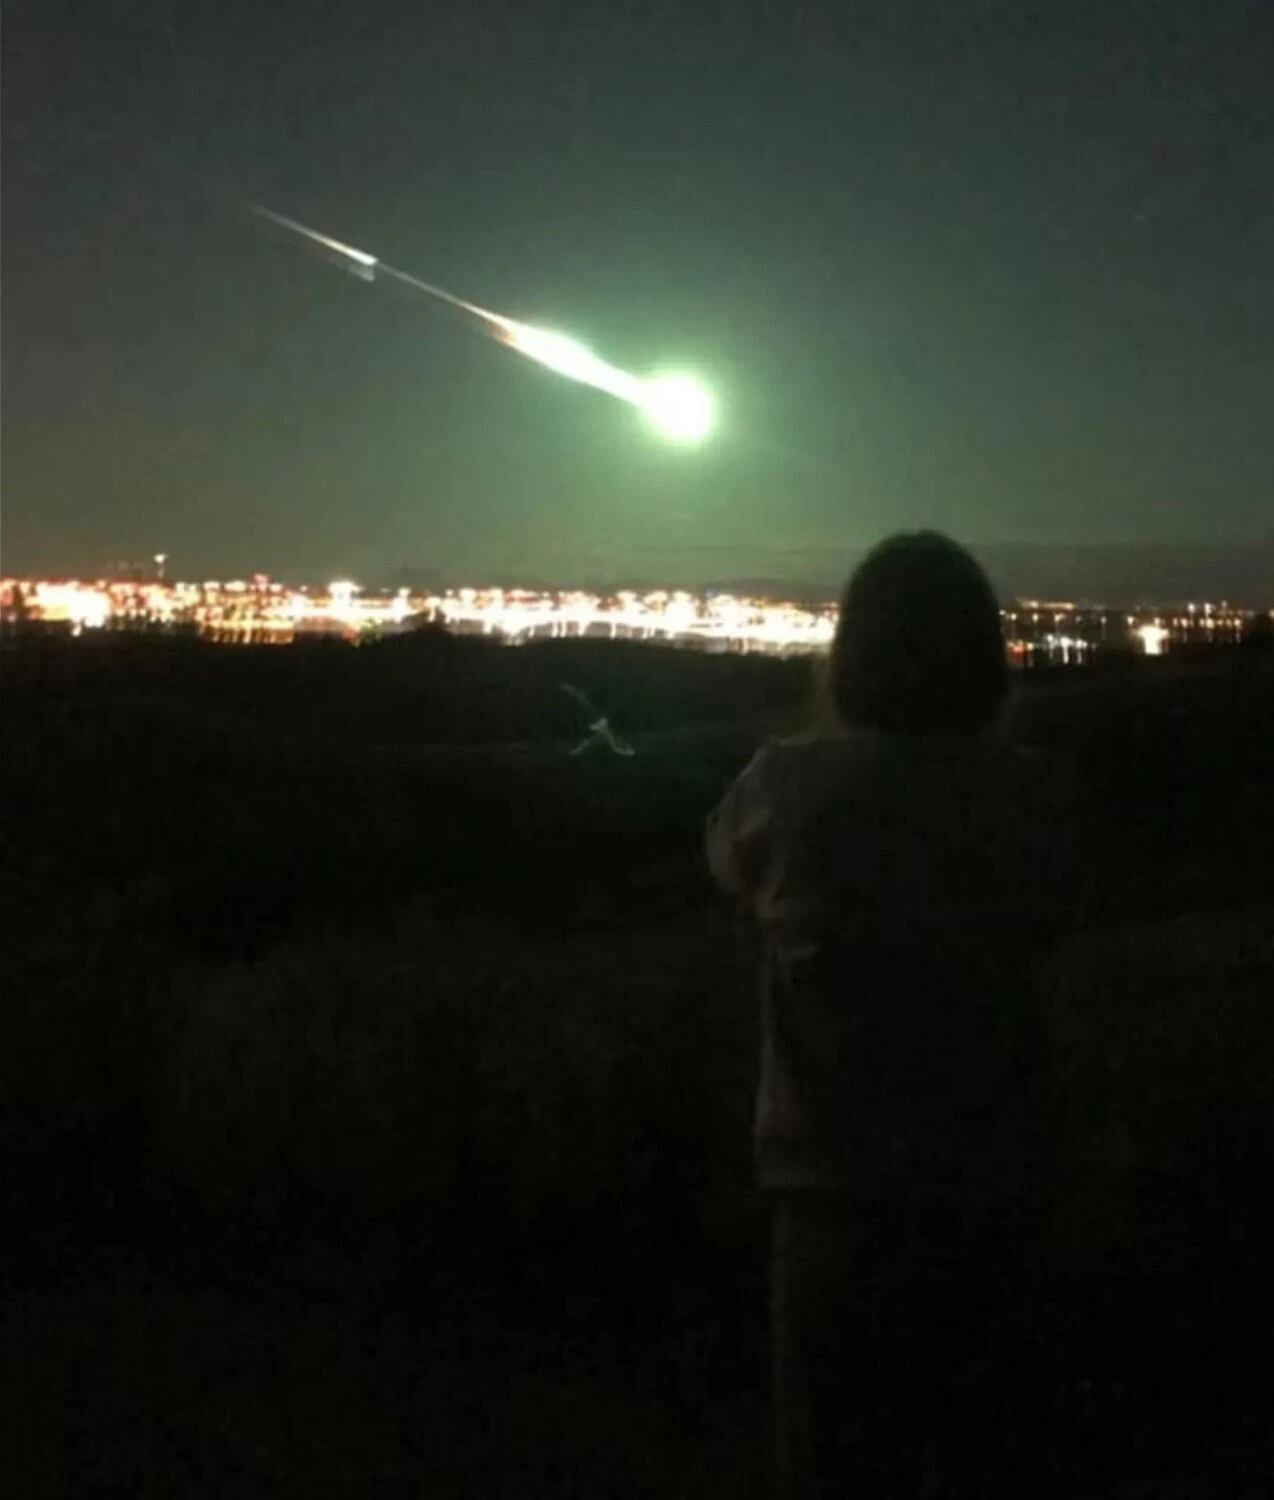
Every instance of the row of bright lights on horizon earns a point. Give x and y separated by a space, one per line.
261 609
264 608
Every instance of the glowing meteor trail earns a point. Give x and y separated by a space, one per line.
678 405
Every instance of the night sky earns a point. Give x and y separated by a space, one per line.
1000 268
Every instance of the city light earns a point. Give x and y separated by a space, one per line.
260 610
1152 638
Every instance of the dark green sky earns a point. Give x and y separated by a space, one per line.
1000 268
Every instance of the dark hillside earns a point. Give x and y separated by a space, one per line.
333 980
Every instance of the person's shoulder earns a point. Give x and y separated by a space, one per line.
815 752
818 743
796 771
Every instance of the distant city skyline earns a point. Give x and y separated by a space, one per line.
1097 576
264 611
1106 574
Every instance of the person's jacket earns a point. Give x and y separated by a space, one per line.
904 886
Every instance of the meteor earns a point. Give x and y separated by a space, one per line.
677 405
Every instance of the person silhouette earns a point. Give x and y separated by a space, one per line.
905 866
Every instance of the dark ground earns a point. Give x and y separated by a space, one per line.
376 1077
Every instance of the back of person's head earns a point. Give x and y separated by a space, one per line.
918 648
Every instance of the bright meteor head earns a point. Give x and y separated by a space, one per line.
680 406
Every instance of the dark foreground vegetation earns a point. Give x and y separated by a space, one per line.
377 1075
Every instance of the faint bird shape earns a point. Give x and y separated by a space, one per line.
599 730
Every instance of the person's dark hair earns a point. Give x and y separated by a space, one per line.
918 648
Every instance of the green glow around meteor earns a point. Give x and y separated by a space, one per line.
680 407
